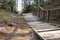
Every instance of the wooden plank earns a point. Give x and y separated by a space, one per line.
42 8
50 35
49 9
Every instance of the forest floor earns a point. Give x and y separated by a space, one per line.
13 27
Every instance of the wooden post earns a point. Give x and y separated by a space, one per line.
43 15
48 15
39 12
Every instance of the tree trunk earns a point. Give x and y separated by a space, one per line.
11 8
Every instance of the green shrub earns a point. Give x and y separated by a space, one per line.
1 15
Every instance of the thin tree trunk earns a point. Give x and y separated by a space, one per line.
11 8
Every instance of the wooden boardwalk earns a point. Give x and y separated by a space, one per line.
45 30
